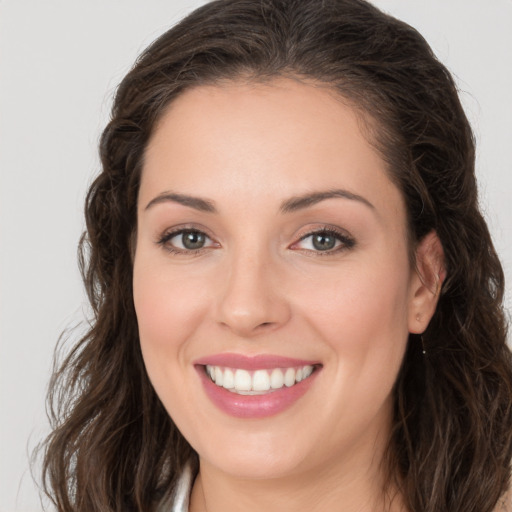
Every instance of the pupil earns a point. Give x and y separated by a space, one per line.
324 242
193 240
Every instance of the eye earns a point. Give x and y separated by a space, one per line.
324 240
186 240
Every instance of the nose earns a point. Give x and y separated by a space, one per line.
252 299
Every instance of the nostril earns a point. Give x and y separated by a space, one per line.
264 325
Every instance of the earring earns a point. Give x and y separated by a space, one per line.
418 319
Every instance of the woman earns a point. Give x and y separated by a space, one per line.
297 302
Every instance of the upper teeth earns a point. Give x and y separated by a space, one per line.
246 382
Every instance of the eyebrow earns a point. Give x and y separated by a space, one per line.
203 205
307 200
290 205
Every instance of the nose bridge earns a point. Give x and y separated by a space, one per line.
250 299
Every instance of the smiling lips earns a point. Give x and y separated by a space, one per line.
255 387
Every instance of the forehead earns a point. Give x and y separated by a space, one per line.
249 140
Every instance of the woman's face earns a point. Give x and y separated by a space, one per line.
271 246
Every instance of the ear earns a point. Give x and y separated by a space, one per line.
426 282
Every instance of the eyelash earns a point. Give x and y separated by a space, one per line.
167 236
347 242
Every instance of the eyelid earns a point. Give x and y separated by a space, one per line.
164 238
346 240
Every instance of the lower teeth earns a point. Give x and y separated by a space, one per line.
252 392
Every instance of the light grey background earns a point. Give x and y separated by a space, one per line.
60 61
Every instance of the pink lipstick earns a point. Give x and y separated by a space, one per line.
257 386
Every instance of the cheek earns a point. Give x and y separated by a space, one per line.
363 320
361 312
168 309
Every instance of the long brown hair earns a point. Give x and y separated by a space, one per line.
114 447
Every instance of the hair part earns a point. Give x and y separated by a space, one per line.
114 446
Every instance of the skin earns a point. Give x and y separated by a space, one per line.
260 287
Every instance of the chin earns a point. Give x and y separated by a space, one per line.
261 466
253 455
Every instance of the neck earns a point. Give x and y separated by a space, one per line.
351 486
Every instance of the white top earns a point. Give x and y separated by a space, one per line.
178 501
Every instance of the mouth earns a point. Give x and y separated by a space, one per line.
259 382
255 386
